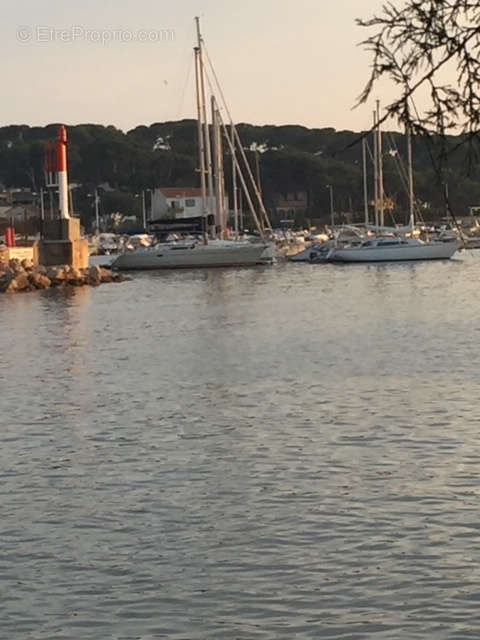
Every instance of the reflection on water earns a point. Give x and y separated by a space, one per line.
262 453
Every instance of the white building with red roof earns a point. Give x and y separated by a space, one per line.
178 202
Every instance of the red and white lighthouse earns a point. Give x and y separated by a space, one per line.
56 169
62 172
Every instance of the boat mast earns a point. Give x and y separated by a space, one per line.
221 178
240 206
365 183
234 186
411 201
259 183
263 216
201 145
263 221
218 168
206 134
375 166
239 171
380 167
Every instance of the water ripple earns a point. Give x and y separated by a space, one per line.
273 454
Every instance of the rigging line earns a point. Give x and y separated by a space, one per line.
217 83
398 158
399 165
403 174
369 152
242 179
401 171
184 91
184 60
438 175
263 212
235 160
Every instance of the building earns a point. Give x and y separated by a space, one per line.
178 202
21 208
291 204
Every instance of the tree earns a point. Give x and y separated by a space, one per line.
417 46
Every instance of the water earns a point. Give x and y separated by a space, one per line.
277 453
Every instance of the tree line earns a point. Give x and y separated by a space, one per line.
292 158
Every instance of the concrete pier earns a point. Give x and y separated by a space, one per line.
16 253
61 243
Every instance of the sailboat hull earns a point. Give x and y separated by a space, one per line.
192 256
396 253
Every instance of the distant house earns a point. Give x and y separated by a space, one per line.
23 197
19 205
5 199
19 212
291 203
178 202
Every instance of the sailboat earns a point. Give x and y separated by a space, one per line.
213 248
398 246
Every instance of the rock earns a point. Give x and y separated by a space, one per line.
11 286
94 276
74 273
39 281
15 265
57 275
106 275
119 277
23 276
20 271
5 281
27 264
12 282
75 277
23 283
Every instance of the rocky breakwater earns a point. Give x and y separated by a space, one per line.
23 276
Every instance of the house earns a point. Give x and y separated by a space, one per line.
5 199
19 212
23 197
20 207
289 204
178 202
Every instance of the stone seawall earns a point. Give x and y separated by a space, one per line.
17 277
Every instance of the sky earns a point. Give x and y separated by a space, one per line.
130 62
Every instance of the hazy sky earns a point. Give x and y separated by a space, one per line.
279 61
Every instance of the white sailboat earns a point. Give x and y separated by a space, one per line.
395 249
397 246
213 249
187 255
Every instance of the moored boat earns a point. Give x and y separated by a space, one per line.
210 246
394 250
217 253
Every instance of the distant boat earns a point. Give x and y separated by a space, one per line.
399 245
394 250
346 235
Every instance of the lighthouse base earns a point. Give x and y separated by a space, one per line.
61 243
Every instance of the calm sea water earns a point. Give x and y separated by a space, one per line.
271 453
